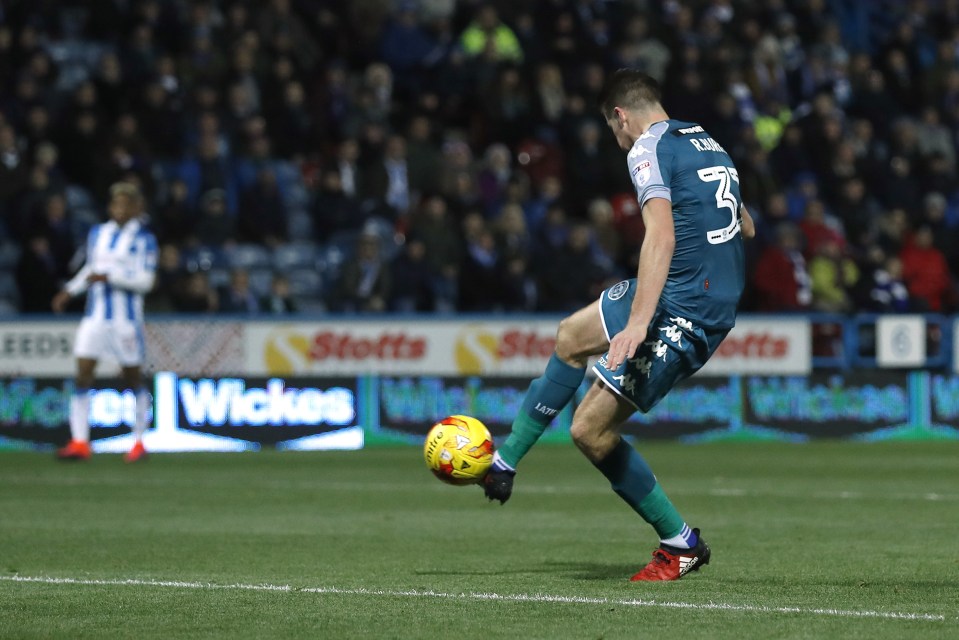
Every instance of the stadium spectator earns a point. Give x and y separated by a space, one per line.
215 227
196 296
574 274
175 218
38 275
945 232
433 226
781 277
832 277
479 277
262 215
889 293
423 158
509 228
332 209
170 280
926 273
487 34
366 281
412 279
279 300
13 166
238 296
858 110
493 178
818 229
387 181
53 223
405 46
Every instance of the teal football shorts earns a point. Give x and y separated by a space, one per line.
674 349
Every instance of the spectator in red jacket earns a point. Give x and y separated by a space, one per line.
819 229
781 277
926 272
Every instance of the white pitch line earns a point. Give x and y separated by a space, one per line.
497 597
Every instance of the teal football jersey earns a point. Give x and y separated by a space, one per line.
678 161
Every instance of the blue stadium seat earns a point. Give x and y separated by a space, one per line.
218 278
300 224
248 256
8 287
310 305
387 234
305 283
9 255
297 196
296 255
204 259
85 217
78 197
8 308
260 280
337 251
70 76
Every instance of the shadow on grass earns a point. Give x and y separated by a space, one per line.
571 570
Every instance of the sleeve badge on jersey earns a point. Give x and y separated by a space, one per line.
643 171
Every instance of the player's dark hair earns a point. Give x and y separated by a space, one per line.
126 189
630 89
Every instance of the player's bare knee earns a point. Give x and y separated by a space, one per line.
567 348
583 437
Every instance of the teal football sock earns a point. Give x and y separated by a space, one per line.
545 398
634 482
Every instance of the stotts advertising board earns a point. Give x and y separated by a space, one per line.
757 346
494 348
400 347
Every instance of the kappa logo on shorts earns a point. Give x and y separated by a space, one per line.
618 290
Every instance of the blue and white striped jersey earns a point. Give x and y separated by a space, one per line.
127 256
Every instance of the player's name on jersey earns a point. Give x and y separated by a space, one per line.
706 144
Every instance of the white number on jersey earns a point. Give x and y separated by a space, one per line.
724 199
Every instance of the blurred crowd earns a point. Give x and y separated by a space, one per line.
434 155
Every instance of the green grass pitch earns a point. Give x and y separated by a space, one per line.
827 540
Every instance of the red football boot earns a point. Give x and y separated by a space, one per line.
75 450
670 563
136 454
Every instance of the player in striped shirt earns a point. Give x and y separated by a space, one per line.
120 268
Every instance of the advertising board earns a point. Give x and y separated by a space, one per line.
758 346
401 347
488 348
202 414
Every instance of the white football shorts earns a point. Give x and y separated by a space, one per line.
120 341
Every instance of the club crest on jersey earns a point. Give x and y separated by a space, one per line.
643 171
618 290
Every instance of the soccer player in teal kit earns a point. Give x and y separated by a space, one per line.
654 330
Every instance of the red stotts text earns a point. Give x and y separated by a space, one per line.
387 346
526 344
762 345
